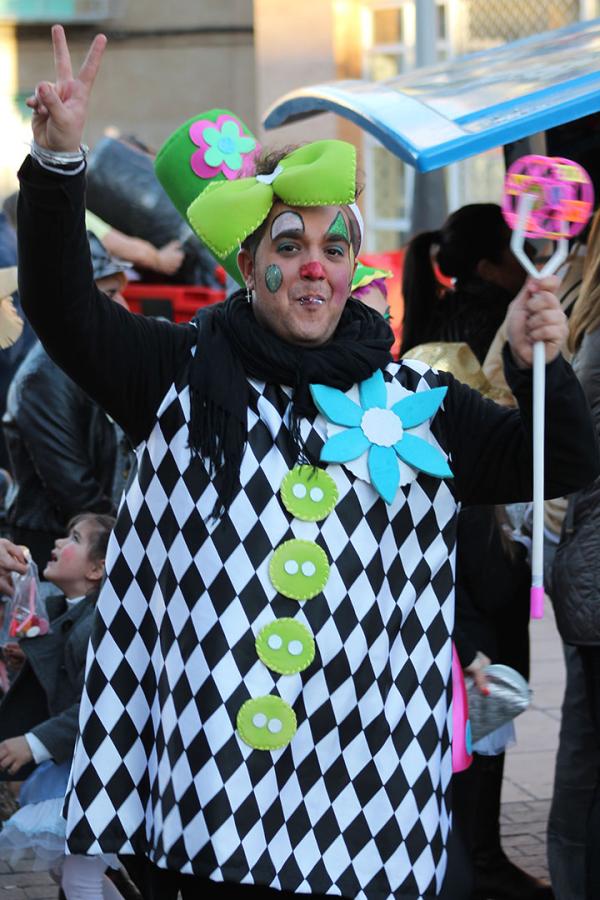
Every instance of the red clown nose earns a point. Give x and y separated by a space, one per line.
312 270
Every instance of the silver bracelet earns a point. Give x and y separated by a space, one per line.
61 170
58 158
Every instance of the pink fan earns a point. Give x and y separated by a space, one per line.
552 198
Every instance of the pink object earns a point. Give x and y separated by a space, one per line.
551 198
536 597
198 162
462 755
314 271
563 191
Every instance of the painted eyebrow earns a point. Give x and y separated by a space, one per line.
282 224
327 238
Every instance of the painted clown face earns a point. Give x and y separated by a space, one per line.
301 272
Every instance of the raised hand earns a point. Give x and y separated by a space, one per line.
60 108
535 315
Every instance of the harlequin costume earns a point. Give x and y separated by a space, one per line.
268 693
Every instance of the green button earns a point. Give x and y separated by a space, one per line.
299 569
266 723
308 493
286 646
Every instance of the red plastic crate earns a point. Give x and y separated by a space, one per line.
177 302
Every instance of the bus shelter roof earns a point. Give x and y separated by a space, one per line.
434 116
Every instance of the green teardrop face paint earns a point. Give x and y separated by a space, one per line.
273 278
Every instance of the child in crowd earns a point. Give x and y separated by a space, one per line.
39 714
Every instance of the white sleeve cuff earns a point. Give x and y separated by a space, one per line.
39 751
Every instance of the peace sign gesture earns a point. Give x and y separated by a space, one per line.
60 109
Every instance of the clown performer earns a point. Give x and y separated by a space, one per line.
268 693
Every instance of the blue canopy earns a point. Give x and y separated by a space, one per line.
435 116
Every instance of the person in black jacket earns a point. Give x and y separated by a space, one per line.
62 445
491 625
574 821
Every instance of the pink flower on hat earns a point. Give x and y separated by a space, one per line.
223 148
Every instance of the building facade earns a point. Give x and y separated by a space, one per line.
165 62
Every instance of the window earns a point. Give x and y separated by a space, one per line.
389 50
462 26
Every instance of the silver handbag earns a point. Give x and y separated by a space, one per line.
509 696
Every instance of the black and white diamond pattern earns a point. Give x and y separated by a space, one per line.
356 804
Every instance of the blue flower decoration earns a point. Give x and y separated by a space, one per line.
381 431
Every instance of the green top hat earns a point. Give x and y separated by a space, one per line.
212 146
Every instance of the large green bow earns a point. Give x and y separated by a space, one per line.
319 174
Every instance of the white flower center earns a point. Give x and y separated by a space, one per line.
381 427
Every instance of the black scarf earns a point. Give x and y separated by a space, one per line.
232 345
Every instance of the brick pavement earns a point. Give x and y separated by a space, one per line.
529 770
527 783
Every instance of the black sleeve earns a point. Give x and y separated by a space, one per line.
491 446
123 361
466 649
51 423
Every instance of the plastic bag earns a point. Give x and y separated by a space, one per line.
25 613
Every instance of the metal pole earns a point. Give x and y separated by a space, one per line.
425 33
429 207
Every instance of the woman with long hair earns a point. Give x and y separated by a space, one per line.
473 249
